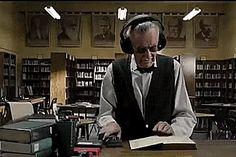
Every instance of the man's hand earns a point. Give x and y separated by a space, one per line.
111 129
163 129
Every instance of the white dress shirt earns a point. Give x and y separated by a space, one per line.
184 118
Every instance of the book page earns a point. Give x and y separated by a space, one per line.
154 140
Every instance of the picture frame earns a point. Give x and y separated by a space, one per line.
206 31
103 30
175 31
37 30
69 31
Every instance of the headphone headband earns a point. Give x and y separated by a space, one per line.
125 42
140 19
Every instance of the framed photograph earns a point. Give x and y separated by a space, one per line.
103 30
69 31
206 31
175 31
37 30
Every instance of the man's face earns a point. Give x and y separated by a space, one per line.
173 31
104 25
145 46
207 30
71 24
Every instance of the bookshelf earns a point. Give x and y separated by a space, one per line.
63 74
36 73
215 81
85 80
231 82
89 76
210 81
8 75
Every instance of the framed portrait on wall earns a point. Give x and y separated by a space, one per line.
175 31
69 30
37 30
103 30
206 31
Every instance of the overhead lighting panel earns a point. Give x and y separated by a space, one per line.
52 12
191 14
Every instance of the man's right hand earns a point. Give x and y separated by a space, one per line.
111 129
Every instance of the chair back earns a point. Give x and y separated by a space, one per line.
53 101
202 123
19 110
50 107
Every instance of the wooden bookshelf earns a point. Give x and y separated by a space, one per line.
90 74
215 81
85 80
8 75
36 73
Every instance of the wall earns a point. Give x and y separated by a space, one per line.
7 27
86 51
12 27
229 32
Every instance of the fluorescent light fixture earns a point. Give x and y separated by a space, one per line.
191 14
122 12
52 12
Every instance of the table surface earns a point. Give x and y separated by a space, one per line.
78 106
220 105
204 115
215 148
34 100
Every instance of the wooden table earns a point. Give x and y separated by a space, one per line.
36 102
204 115
205 148
82 109
220 105
79 108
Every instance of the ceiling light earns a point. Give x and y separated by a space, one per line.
191 14
52 12
122 12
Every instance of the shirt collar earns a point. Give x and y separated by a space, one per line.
133 65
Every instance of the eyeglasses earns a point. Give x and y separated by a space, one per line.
140 50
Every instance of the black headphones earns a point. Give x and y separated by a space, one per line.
125 42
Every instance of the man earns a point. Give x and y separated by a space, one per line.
175 27
106 35
38 30
205 31
70 26
136 104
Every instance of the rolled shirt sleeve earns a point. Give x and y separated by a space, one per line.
184 118
107 99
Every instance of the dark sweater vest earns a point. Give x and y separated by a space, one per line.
159 102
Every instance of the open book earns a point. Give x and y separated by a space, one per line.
162 142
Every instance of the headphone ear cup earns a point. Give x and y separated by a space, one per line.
126 46
162 41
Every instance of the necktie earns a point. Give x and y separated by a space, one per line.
146 70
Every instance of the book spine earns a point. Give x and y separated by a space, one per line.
26 148
23 136
43 153
40 133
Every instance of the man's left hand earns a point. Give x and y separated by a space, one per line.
162 128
